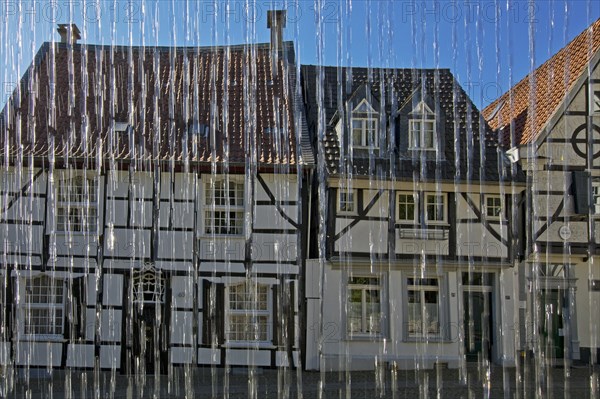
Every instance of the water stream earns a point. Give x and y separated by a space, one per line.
299 199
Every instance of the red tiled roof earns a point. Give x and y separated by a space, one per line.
531 103
160 92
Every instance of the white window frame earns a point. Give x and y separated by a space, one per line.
487 207
27 306
226 206
423 330
341 201
367 121
362 124
412 144
444 204
81 208
596 198
249 297
415 197
365 315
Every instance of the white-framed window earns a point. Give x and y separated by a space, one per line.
421 134
364 295
43 307
596 197
423 307
364 126
346 201
407 207
364 132
77 204
435 207
493 206
224 207
248 307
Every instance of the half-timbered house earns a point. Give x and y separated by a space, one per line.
549 123
412 263
151 203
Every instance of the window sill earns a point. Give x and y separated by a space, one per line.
249 345
365 338
41 338
424 340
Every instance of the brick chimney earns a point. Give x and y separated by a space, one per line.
69 33
276 22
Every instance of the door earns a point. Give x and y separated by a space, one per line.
147 341
551 317
477 325
146 326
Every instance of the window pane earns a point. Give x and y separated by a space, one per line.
364 305
43 306
428 139
406 207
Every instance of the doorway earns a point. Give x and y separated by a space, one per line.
148 322
551 317
477 324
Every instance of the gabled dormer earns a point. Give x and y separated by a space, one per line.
362 120
421 126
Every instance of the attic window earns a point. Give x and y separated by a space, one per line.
364 126
421 128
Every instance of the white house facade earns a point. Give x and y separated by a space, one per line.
152 204
414 264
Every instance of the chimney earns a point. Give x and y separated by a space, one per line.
276 22
69 33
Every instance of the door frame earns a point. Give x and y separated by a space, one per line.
485 289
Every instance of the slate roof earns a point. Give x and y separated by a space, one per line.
531 103
163 93
460 157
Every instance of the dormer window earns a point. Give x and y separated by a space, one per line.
421 134
421 128
364 126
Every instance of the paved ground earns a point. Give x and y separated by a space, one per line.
496 382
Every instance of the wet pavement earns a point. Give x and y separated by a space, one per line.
494 382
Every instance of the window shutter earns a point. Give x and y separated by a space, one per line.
220 313
207 313
74 323
289 314
213 317
277 320
581 192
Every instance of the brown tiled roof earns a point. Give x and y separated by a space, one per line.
160 92
530 104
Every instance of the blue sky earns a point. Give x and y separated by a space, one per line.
488 44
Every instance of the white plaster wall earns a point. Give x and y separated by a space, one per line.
80 355
365 236
181 327
175 245
182 289
38 353
112 294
